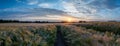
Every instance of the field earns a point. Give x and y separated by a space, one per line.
60 34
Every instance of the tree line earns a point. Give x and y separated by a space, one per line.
17 21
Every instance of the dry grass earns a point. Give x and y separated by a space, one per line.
90 34
27 35
79 36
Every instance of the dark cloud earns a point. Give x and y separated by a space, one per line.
110 4
34 12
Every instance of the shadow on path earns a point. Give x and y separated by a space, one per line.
59 40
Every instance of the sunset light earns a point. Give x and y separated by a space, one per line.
59 22
69 19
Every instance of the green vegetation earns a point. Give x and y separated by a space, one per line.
79 36
113 27
27 36
87 34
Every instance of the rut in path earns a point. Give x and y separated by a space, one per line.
59 40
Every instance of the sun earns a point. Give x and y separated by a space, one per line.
69 20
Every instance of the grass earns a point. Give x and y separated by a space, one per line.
113 27
91 34
79 36
27 36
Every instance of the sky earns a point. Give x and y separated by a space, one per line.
59 10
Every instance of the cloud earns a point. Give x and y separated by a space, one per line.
82 11
28 2
110 4
33 2
45 5
94 9
32 14
69 7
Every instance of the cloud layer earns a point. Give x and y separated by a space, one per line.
33 14
95 9
48 9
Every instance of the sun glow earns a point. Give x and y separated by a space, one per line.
70 19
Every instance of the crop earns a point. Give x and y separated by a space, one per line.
113 27
27 35
87 34
79 36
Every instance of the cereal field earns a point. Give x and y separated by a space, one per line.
60 34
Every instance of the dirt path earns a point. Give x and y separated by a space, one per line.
60 40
